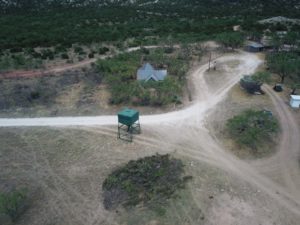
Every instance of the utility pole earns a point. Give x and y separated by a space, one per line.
209 61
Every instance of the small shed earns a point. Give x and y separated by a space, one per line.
254 47
147 72
295 101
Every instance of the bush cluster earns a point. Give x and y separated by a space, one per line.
252 128
12 204
151 180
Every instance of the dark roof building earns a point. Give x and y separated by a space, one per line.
254 47
147 72
250 85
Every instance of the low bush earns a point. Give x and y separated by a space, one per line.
64 55
91 55
150 181
103 50
13 204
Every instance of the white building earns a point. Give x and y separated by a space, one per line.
295 101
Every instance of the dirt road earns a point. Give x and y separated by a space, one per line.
185 131
286 161
61 69
203 101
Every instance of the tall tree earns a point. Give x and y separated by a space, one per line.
282 63
231 40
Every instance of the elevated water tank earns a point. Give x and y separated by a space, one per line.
128 116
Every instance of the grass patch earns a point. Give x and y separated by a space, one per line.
150 181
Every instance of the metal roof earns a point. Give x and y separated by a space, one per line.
255 45
247 78
295 97
128 112
147 72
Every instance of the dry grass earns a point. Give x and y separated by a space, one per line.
65 168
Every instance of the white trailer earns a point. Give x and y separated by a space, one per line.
295 101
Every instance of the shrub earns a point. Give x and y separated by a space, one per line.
103 50
91 55
78 49
262 77
64 55
13 204
16 50
150 180
47 54
145 51
169 50
59 48
251 128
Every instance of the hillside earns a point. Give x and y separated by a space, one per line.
206 7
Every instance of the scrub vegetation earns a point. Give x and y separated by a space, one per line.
13 204
150 181
34 33
120 74
252 128
27 95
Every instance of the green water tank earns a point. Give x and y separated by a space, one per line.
128 116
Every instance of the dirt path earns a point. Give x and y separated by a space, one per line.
61 69
184 131
203 101
286 161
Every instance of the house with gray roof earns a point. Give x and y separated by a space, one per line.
254 47
147 72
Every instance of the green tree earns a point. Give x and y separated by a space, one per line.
251 127
295 78
282 63
292 39
262 77
277 42
231 40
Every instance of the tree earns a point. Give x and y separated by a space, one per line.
292 39
262 77
277 42
294 87
251 127
255 35
295 78
282 63
230 40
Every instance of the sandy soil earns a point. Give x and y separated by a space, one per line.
226 190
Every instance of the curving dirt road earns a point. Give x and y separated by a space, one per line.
286 161
185 131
